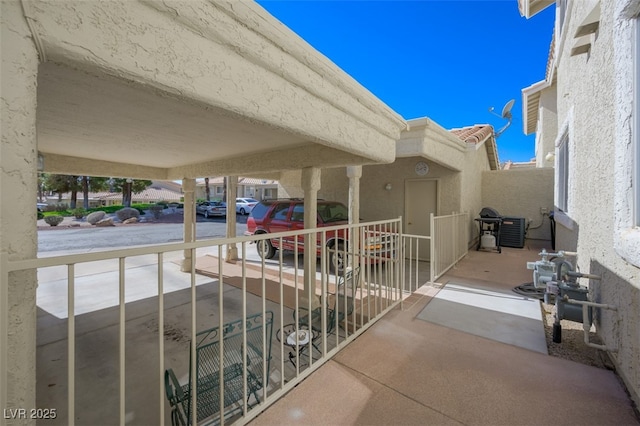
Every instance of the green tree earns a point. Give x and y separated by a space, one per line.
61 184
93 184
129 187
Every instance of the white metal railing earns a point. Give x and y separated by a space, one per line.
134 384
417 271
449 242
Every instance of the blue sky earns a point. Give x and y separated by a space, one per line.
449 60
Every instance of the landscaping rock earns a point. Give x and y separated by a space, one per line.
127 213
95 217
130 220
106 222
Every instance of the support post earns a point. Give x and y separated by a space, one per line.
188 188
354 173
310 185
232 193
19 183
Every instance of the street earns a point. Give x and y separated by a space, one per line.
86 239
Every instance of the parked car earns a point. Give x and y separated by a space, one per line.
245 205
211 208
41 206
271 216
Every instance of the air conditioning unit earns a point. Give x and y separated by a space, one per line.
512 232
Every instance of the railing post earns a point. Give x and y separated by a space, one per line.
432 254
4 328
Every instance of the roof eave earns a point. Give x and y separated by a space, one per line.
529 8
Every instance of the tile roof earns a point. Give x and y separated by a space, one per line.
478 134
148 195
510 165
256 181
474 134
219 180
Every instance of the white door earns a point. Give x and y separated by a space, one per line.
420 200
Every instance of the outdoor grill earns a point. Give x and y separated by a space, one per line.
489 222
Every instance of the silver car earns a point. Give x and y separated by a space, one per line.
211 208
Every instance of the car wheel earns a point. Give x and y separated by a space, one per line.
337 258
242 212
206 214
266 250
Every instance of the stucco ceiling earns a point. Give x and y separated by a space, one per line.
101 118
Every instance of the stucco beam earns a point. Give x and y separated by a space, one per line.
232 56
62 164
427 139
268 43
318 156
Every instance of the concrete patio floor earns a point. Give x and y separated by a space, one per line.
411 367
407 371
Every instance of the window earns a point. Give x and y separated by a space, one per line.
298 213
563 174
280 211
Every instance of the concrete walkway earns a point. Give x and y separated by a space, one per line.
408 371
417 365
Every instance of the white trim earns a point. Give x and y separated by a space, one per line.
563 139
561 26
627 139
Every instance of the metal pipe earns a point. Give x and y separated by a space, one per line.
576 274
586 324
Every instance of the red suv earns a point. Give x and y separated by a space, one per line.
272 216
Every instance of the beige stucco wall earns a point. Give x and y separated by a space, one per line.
18 234
471 199
376 203
521 193
594 108
457 191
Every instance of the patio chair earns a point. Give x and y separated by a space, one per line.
339 305
208 353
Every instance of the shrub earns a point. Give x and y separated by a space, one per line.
40 215
156 211
79 213
127 213
95 217
60 207
115 208
53 220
